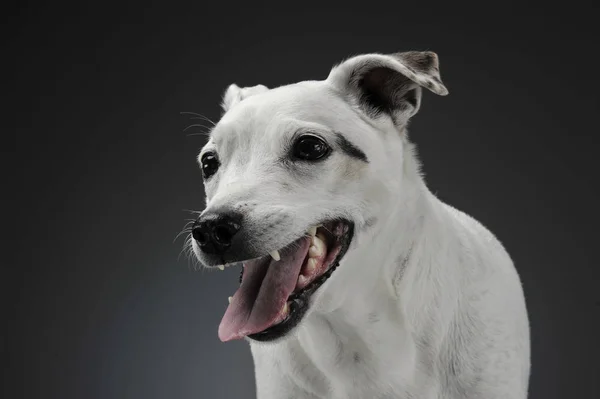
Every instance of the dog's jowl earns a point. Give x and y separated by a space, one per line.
357 282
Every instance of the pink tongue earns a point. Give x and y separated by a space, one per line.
266 286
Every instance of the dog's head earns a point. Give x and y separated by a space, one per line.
292 173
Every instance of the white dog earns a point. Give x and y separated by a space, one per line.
357 282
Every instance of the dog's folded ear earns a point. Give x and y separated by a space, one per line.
388 84
234 94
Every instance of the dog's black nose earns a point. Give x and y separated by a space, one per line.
214 232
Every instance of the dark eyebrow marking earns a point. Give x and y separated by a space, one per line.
350 149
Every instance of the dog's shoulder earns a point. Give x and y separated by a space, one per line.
476 239
488 271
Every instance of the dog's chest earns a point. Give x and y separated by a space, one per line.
362 351
371 361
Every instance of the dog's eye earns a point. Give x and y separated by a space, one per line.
209 163
310 148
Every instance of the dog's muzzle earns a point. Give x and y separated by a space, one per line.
275 287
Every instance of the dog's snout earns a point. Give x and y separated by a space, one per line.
214 233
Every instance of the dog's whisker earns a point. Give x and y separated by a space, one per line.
197 125
204 119
182 232
327 229
188 251
183 251
198 116
186 229
189 221
195 262
197 134
192 211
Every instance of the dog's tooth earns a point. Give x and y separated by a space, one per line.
275 255
314 239
311 265
312 231
221 267
319 244
229 299
302 279
316 249
284 309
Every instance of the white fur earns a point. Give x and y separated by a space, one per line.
426 303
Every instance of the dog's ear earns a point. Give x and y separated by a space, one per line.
389 84
234 94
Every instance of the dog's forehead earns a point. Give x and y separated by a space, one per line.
279 111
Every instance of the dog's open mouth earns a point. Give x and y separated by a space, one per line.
275 290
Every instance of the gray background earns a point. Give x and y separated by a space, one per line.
96 303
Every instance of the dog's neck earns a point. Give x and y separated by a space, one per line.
370 287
